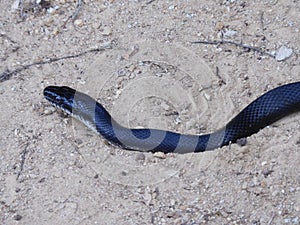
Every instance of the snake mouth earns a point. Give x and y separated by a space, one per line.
61 97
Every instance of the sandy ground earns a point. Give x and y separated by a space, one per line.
56 171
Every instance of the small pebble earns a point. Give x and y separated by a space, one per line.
171 7
296 220
49 110
17 217
78 141
124 173
219 26
267 172
229 33
78 22
122 72
15 5
244 186
165 106
42 180
55 31
51 10
131 68
264 163
140 157
106 31
255 182
160 155
241 141
283 53
207 96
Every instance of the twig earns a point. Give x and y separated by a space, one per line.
78 7
262 20
149 2
21 9
7 73
221 80
75 14
272 218
8 38
248 47
23 157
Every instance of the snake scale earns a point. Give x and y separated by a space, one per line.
268 108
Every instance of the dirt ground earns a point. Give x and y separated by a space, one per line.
146 72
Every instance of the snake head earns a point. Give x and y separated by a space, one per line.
61 97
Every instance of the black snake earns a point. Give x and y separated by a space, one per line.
265 110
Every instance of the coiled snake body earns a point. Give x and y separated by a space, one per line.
265 110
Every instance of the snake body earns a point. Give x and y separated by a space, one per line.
263 111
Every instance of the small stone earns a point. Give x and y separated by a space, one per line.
122 72
219 26
107 44
55 31
241 141
160 155
267 172
171 7
78 22
51 10
78 141
172 202
49 110
18 217
15 5
17 132
124 173
283 53
2 91
229 33
264 163
255 182
140 157
106 31
295 220
148 198
165 106
131 68
244 186
42 180
207 96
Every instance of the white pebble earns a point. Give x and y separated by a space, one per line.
160 155
264 163
229 33
78 22
106 31
283 53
